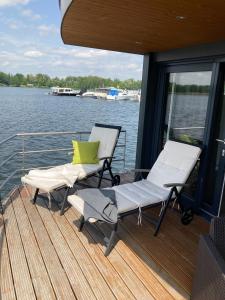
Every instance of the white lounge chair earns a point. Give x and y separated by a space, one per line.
65 176
162 185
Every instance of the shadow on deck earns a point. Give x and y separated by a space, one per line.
44 256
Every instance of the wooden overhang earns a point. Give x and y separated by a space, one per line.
142 26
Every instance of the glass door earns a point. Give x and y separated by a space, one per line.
214 186
193 112
186 113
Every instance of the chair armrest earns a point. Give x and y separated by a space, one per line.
209 277
106 157
140 170
175 184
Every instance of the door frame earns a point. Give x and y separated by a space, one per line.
218 90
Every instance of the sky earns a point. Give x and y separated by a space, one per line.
30 43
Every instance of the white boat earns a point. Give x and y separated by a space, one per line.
112 93
101 93
132 95
60 91
89 95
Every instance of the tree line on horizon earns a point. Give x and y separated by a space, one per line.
80 82
87 82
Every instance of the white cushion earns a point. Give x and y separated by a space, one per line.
84 170
107 137
50 179
142 193
78 204
129 196
174 164
43 184
123 204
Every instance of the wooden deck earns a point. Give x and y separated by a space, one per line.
43 256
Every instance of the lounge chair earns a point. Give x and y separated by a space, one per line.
65 176
163 184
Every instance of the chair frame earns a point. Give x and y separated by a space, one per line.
115 179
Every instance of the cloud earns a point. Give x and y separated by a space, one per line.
80 52
45 30
30 14
33 53
13 2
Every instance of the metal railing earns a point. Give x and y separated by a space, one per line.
24 153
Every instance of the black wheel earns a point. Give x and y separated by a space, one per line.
116 180
187 216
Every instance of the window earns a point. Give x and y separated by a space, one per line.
187 103
186 110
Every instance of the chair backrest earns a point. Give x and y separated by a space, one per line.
108 136
174 163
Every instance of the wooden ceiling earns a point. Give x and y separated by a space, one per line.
142 26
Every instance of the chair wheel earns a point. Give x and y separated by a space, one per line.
187 216
116 180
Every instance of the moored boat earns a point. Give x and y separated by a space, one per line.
132 95
60 91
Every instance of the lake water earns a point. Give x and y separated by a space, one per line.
33 110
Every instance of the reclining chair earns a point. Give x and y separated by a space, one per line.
162 185
65 176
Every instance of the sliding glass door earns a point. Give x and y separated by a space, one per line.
186 112
194 113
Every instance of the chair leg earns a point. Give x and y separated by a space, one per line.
64 201
111 240
35 196
161 217
81 223
100 179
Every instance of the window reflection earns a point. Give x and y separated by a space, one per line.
187 103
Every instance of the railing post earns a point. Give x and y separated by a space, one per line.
124 149
23 155
1 205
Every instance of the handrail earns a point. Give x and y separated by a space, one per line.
52 133
24 152
188 128
8 139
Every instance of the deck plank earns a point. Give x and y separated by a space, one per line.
161 252
92 262
161 274
168 235
21 275
79 282
40 242
140 269
191 232
55 270
7 290
123 269
39 275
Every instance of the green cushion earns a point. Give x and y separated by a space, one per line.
85 152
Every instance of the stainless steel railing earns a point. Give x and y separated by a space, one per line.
23 153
